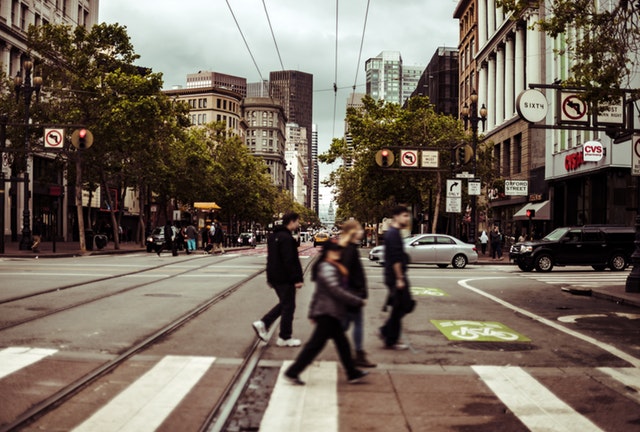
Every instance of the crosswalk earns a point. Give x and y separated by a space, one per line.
579 279
155 394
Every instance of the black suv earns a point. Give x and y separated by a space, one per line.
599 246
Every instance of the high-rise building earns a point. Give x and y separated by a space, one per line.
387 79
208 79
265 135
439 81
294 90
258 89
315 173
353 101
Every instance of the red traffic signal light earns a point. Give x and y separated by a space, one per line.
385 157
82 139
531 213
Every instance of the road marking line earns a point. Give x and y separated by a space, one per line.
146 403
16 358
57 274
311 407
604 346
537 407
628 376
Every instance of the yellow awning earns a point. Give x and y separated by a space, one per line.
206 206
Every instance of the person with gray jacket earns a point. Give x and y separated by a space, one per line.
328 310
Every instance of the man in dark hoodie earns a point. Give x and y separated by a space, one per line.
284 274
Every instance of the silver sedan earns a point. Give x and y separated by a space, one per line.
440 249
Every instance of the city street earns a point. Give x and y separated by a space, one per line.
491 349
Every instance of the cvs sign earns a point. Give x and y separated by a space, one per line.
592 151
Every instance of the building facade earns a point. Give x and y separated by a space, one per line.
439 81
208 79
500 57
265 137
296 166
315 172
384 76
294 90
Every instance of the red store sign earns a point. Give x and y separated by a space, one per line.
573 161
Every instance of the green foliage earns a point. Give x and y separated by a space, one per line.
602 41
367 191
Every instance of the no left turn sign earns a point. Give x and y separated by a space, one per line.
573 108
409 158
53 138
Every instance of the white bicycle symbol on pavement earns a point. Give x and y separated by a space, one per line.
471 333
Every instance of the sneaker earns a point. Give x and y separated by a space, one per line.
293 379
291 342
397 347
357 376
260 329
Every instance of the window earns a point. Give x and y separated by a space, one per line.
218 103
506 154
517 154
224 104
445 240
429 240
23 17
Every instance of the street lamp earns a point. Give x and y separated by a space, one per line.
470 114
27 91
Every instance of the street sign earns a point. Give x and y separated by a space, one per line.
53 138
532 105
454 188
635 156
465 175
592 151
516 187
572 108
612 114
430 159
454 205
474 187
409 158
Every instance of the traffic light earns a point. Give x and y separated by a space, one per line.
82 139
531 213
462 155
384 154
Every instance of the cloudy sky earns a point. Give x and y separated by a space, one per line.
181 37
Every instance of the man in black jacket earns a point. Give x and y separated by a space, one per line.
284 274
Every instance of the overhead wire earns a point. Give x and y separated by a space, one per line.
245 42
364 29
272 34
335 77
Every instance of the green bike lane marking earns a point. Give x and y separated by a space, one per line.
478 331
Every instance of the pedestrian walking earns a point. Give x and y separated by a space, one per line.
36 234
284 275
218 237
395 277
351 239
496 243
328 310
192 237
484 239
169 243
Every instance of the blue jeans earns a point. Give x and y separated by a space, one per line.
355 317
191 244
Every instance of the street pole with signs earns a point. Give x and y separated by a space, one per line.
471 114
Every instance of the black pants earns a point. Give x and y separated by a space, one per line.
327 327
284 309
496 250
393 327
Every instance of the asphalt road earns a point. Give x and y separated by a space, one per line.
467 323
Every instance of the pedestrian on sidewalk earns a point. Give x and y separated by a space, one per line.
169 243
351 239
218 237
36 234
284 275
395 278
484 239
328 310
192 236
496 243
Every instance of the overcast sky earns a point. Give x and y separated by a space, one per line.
181 37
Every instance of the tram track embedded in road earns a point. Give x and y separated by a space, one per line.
103 296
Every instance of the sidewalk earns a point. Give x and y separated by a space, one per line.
66 250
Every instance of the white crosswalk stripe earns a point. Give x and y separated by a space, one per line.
579 279
15 358
145 404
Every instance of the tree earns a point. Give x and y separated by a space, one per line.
603 41
90 79
367 191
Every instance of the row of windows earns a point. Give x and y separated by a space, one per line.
197 103
20 14
508 156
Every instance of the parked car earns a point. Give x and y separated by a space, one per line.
156 238
247 239
598 246
320 238
440 249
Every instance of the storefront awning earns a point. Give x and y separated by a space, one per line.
543 211
206 206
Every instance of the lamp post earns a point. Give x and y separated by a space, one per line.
472 116
27 90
